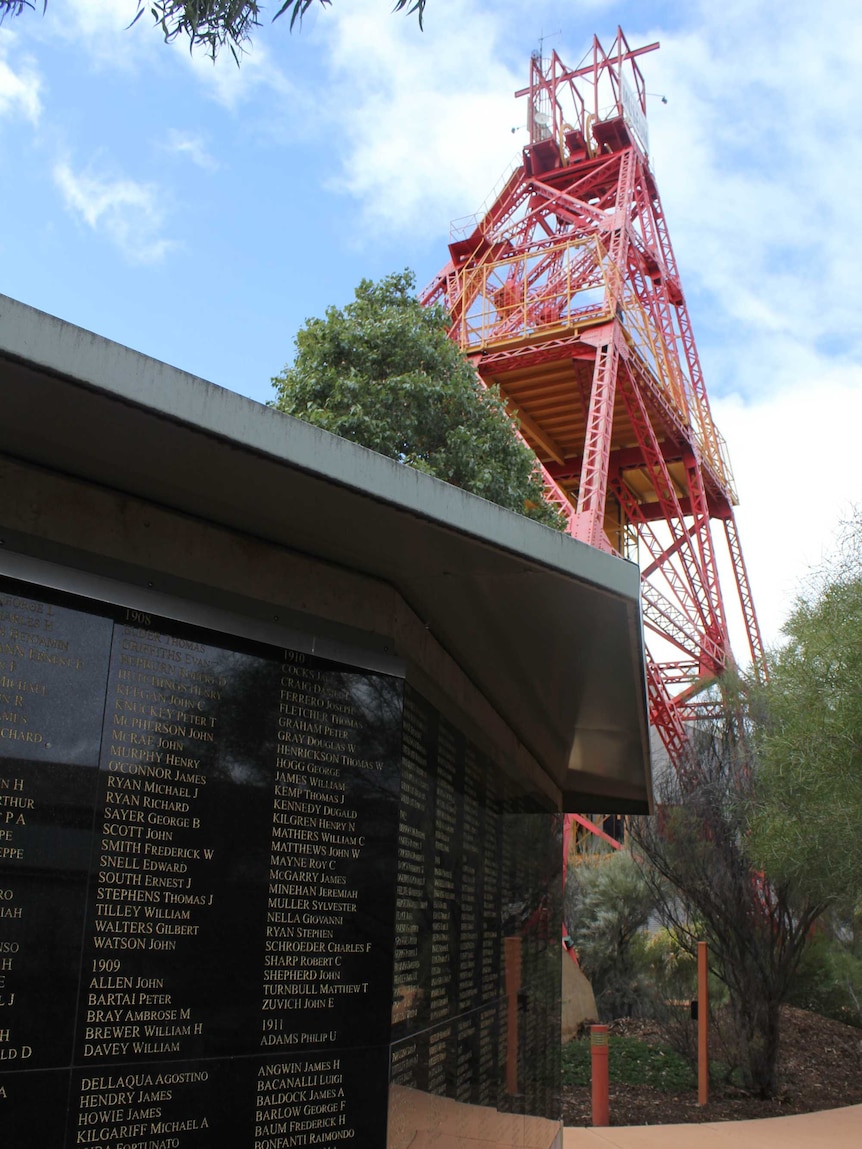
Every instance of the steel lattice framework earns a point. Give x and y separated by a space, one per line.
565 293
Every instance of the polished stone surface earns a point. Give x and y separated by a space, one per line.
477 994
252 897
197 884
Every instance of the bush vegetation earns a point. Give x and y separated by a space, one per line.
631 1062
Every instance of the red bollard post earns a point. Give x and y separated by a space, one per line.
600 1077
702 1024
512 952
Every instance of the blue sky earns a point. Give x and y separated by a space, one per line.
201 213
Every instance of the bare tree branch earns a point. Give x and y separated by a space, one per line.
698 864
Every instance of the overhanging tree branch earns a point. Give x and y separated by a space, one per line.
214 24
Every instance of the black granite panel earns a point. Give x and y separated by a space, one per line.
537 928
197 884
304 1099
53 663
229 878
483 976
33 1108
53 668
487 1056
411 1006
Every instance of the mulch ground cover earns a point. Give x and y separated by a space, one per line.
820 1067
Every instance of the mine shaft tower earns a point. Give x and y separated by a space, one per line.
565 294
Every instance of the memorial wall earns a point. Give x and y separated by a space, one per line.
477 957
285 730
256 899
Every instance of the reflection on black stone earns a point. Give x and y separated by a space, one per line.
33 1108
230 876
53 662
476 999
53 665
230 867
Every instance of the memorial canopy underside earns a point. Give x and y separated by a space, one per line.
548 629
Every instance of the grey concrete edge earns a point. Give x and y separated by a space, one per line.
99 364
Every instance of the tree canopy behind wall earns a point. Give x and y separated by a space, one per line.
383 372
807 808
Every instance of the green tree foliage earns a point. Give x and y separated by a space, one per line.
213 24
608 903
630 1062
806 819
829 979
383 372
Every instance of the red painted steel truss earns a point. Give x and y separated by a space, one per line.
565 292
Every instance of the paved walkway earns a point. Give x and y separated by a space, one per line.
831 1129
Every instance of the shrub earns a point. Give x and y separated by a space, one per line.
829 981
608 904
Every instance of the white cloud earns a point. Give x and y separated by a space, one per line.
20 81
421 124
795 459
757 154
758 157
191 145
232 86
102 31
128 213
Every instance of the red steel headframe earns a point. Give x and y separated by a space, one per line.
565 293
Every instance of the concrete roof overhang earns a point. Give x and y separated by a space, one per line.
547 628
